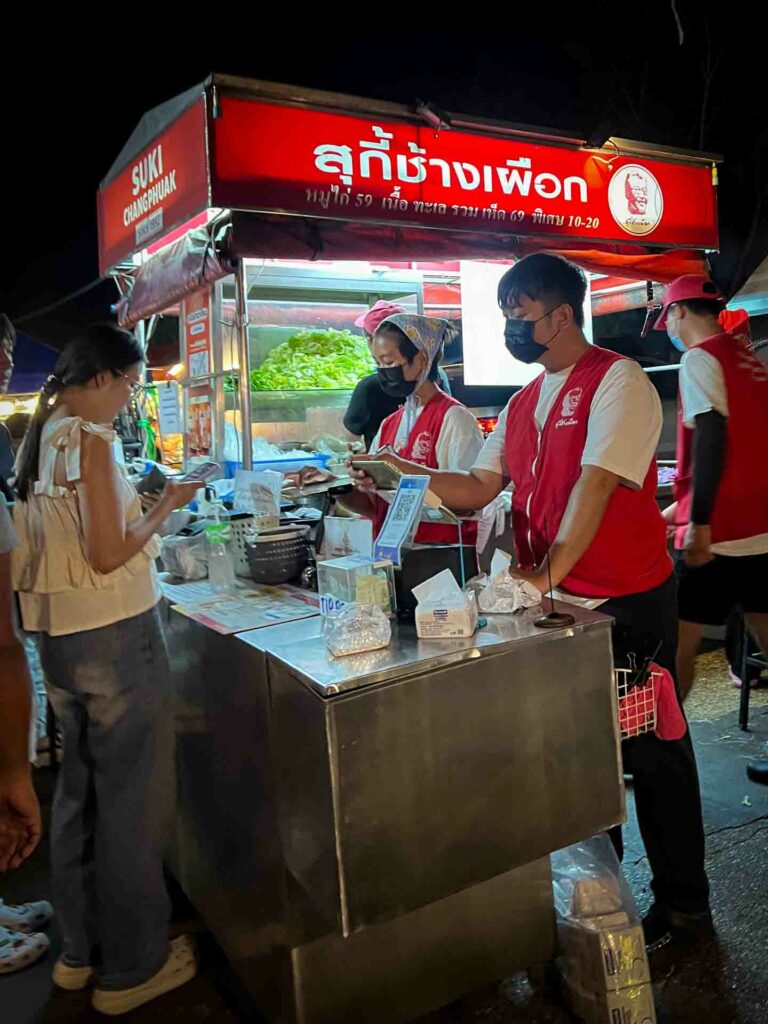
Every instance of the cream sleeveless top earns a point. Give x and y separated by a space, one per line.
59 591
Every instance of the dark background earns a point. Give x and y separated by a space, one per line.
688 73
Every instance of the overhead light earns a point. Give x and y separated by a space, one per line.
175 371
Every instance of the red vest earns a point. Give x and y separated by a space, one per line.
628 554
741 504
421 447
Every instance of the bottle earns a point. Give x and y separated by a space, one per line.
221 571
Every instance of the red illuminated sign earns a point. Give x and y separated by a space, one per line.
275 158
163 186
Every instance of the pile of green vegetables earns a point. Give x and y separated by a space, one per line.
314 359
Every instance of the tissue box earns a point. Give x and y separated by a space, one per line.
627 1006
604 953
441 620
356 579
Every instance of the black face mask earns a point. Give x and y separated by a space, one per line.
518 337
393 383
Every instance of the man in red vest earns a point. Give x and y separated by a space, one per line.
720 513
578 444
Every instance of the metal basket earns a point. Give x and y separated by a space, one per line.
637 704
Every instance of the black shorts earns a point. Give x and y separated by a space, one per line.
711 592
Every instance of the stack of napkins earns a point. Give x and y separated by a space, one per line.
443 609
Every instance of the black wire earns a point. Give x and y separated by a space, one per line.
59 302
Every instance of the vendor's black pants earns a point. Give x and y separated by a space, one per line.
666 781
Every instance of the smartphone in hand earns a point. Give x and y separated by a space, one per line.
199 474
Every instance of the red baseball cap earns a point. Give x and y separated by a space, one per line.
689 286
376 314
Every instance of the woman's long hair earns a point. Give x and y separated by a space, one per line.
103 348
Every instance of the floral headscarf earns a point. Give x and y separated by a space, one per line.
427 334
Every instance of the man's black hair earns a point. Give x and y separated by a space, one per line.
702 307
548 279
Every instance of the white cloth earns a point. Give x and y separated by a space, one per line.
623 429
59 591
459 442
703 390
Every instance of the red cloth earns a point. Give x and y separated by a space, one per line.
735 322
629 553
636 709
421 447
741 505
670 720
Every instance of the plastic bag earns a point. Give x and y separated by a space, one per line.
603 959
186 557
356 628
588 882
504 593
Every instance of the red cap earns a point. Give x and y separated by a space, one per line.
376 314
689 286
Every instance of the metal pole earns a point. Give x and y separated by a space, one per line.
244 385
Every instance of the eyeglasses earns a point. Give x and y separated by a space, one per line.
137 388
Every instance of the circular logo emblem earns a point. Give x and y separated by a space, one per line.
635 199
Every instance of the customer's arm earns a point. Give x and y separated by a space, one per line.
110 542
19 810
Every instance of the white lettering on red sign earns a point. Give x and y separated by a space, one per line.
150 185
374 161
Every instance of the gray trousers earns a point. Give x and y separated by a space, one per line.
109 689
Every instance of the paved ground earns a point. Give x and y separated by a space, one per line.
723 982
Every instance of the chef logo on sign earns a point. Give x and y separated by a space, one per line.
635 199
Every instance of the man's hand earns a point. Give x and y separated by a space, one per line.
365 483
538 578
20 825
696 547
669 516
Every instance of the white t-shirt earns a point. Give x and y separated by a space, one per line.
622 432
459 443
702 390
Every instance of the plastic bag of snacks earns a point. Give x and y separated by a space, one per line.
356 628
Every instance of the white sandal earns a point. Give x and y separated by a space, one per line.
18 950
26 917
180 967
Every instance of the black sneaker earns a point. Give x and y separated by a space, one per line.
657 929
661 927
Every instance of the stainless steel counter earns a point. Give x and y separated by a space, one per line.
303 651
367 837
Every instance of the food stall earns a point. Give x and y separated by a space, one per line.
367 836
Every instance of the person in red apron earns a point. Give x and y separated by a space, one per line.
430 428
578 443
720 513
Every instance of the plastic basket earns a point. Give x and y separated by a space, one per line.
275 559
637 704
239 529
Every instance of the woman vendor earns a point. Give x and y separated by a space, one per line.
430 428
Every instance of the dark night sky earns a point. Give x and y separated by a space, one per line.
73 106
